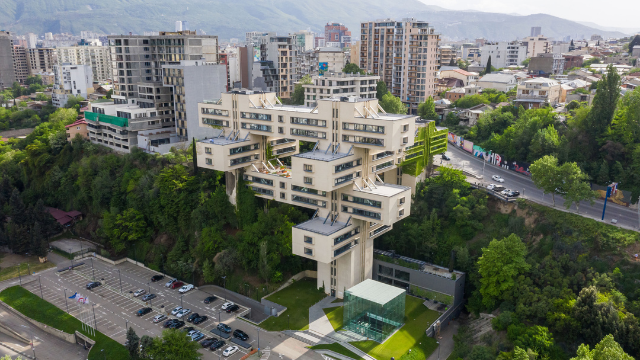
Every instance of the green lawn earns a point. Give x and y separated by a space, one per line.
337 348
33 264
40 310
335 316
410 336
298 298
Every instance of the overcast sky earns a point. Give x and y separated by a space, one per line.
616 13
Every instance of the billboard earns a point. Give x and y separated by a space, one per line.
468 146
322 67
256 54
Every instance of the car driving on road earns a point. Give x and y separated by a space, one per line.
497 178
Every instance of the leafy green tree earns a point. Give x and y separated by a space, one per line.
469 101
392 104
298 93
427 109
146 342
537 338
606 349
208 271
604 103
545 142
546 175
16 89
133 342
520 354
109 93
500 264
351 68
174 345
526 61
488 68
72 101
129 228
263 266
381 90
574 183
451 120
42 97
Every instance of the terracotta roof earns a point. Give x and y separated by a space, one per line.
465 73
77 122
62 217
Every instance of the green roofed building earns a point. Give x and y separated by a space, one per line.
374 309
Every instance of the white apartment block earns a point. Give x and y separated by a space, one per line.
503 54
331 60
305 40
71 80
98 57
351 177
405 56
537 45
340 85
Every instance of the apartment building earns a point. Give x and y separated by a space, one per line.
98 57
470 52
340 85
351 177
538 44
503 54
545 64
537 93
21 63
405 56
466 76
304 40
354 53
331 60
139 59
283 52
41 60
193 81
446 54
337 35
7 70
71 80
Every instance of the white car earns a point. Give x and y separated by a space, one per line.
192 332
497 178
505 191
159 318
227 305
185 288
182 313
230 351
168 284
176 310
139 292
491 186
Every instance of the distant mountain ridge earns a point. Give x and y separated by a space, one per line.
231 19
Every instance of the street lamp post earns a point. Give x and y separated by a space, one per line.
93 271
95 323
19 276
65 300
70 253
120 277
29 269
438 343
126 325
181 300
41 296
225 288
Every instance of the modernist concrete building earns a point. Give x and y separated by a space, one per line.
98 57
358 176
7 71
340 85
405 56
71 80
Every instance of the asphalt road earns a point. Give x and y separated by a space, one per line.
460 159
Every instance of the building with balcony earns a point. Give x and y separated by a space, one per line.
340 85
503 54
337 35
405 56
466 76
21 63
358 177
98 57
537 44
500 82
7 71
282 52
546 64
446 54
537 93
305 40
71 80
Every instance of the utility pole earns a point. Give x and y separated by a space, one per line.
41 296
19 276
120 277
225 288
65 300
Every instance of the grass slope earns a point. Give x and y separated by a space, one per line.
32 306
337 348
298 298
23 269
335 315
411 336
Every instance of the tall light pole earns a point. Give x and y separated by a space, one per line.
438 343
120 277
225 288
19 276
70 254
41 296
181 300
65 300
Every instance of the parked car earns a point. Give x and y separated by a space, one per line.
497 178
197 336
185 288
226 305
182 313
200 319
155 278
139 292
233 308
193 317
217 345
505 192
515 192
93 284
169 322
159 318
148 297
224 328
237 333
177 284
498 188
144 311
189 330
170 282
176 325
491 186
445 157
176 310
230 351
208 342
512 193
210 299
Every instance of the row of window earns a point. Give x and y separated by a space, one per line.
348 165
215 122
308 190
344 179
365 213
399 274
241 149
217 112
256 127
345 248
284 150
255 116
311 122
363 127
243 159
363 140
363 201
258 180
309 201
346 236
309 133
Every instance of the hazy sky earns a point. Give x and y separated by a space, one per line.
610 13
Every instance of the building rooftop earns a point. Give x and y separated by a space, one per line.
222 141
542 81
384 189
499 78
319 226
376 292
319 154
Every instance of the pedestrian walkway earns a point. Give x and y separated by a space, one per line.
446 342
318 321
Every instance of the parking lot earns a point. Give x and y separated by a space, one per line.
115 306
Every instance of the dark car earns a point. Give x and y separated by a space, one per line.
169 322
200 320
177 284
210 299
176 325
93 284
187 329
217 345
193 317
445 157
148 297
233 308
155 278
208 342
224 328
515 192
144 311
237 333
498 188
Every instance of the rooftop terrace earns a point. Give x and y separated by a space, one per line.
322 226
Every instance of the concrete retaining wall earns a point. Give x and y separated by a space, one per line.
7 331
277 309
70 338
